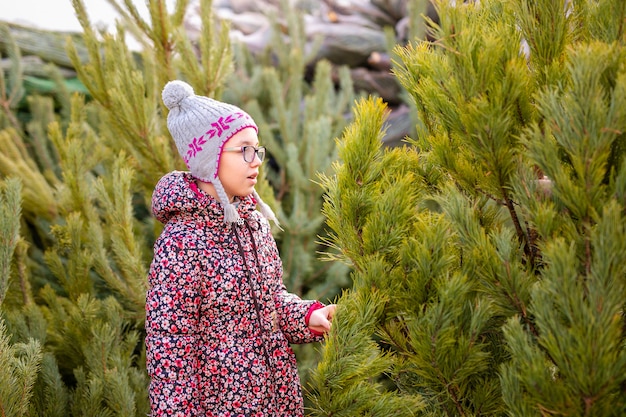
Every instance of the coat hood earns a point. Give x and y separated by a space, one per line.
176 194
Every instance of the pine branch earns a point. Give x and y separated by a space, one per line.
11 84
10 207
18 376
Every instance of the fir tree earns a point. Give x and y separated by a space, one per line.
488 254
74 274
21 361
77 287
299 119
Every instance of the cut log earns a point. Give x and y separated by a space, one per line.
398 126
46 44
246 23
397 9
374 13
379 61
34 66
378 83
242 6
347 44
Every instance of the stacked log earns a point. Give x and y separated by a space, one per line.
352 34
49 46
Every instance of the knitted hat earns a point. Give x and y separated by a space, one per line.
200 126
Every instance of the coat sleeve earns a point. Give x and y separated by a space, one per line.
172 302
292 317
292 310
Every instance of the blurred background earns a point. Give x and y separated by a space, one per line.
59 14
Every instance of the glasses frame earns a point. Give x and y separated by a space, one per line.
242 149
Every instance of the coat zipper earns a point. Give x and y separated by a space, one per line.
255 302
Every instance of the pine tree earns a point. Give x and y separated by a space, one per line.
488 254
299 120
20 361
87 163
300 108
75 288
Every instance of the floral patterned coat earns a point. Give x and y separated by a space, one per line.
219 320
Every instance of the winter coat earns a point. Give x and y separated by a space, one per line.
219 320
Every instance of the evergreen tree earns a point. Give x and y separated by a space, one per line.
489 254
75 280
21 361
299 116
299 120
74 274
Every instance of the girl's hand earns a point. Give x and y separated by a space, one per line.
320 320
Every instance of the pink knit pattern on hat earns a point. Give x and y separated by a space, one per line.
200 126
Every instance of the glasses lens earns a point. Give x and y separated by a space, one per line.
249 151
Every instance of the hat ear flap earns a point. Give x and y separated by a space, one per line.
230 211
265 210
230 214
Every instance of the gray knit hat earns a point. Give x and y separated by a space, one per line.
201 126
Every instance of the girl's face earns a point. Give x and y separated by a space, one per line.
239 177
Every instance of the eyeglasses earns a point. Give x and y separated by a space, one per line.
248 152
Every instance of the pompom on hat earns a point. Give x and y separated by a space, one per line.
200 126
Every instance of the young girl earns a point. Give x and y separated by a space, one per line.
219 320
